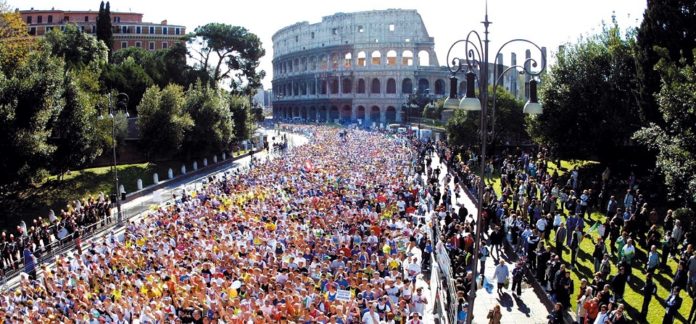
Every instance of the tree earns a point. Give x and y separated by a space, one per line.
15 42
105 32
213 129
463 128
128 77
163 66
30 101
240 109
74 135
589 104
77 49
675 140
162 120
667 24
229 53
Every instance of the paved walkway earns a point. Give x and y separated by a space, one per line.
526 308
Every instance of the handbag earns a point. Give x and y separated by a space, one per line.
506 283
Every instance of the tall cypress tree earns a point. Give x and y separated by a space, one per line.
667 24
105 31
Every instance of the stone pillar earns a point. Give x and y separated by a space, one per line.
155 178
224 156
195 165
354 113
183 169
170 173
215 158
205 162
140 184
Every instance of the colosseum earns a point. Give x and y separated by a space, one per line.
357 66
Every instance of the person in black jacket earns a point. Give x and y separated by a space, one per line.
517 276
648 291
618 284
556 316
672 305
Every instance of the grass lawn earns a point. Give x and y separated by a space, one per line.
633 297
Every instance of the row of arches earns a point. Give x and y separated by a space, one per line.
348 60
349 85
343 113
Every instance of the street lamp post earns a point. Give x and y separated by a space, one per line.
477 54
121 104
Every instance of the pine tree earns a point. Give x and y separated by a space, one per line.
105 31
667 24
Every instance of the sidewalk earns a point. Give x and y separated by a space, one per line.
527 308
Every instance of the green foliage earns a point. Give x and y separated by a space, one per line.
105 32
77 142
240 109
163 66
589 104
229 53
30 101
76 48
163 120
667 24
128 77
463 128
675 141
213 128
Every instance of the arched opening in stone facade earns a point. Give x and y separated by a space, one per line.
303 112
312 87
423 84
324 65
347 60
376 58
322 114
296 111
362 58
290 66
407 58
346 113
423 58
375 86
374 114
303 64
312 114
297 65
360 114
295 89
361 86
407 86
303 88
323 87
334 61
440 87
391 85
333 114
334 85
390 115
391 58
347 85
313 63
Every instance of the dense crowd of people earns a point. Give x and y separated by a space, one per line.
323 234
45 233
541 215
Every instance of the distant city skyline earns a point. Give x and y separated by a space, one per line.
548 23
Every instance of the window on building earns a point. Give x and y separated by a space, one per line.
124 29
138 44
82 29
94 29
32 31
297 38
165 45
39 19
50 19
86 18
138 30
117 19
165 30
334 31
361 29
124 44
62 28
177 31
49 28
66 18
312 35
152 30
152 46
29 19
